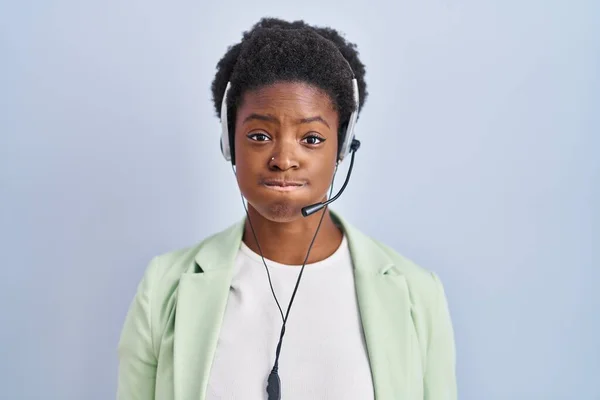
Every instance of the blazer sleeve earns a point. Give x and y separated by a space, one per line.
137 358
440 373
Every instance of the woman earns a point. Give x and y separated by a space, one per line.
283 305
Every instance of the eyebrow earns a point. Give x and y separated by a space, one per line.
270 118
317 118
260 117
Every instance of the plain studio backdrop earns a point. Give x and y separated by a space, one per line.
480 160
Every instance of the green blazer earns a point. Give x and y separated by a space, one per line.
172 327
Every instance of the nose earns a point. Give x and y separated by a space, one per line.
284 156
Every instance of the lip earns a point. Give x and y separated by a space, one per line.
282 185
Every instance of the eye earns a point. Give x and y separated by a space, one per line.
259 137
313 140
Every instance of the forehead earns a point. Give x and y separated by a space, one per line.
294 98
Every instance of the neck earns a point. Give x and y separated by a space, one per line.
288 242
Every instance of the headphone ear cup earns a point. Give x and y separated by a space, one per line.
230 139
349 132
341 140
348 137
225 150
225 145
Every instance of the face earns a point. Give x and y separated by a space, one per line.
285 148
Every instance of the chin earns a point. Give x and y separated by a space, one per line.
280 207
281 211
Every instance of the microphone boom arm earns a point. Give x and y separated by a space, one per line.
313 208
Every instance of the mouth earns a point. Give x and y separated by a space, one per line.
283 186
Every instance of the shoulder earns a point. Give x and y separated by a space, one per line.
158 287
164 272
420 279
373 256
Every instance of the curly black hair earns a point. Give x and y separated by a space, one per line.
275 50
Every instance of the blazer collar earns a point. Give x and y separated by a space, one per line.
219 251
367 256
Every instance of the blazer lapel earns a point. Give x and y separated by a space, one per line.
201 300
385 310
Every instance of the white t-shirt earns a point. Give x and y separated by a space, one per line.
323 355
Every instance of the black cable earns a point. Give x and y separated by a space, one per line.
261 256
273 381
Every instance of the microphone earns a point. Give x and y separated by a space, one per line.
313 208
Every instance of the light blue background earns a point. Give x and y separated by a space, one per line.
480 161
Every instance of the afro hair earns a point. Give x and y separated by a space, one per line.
275 50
